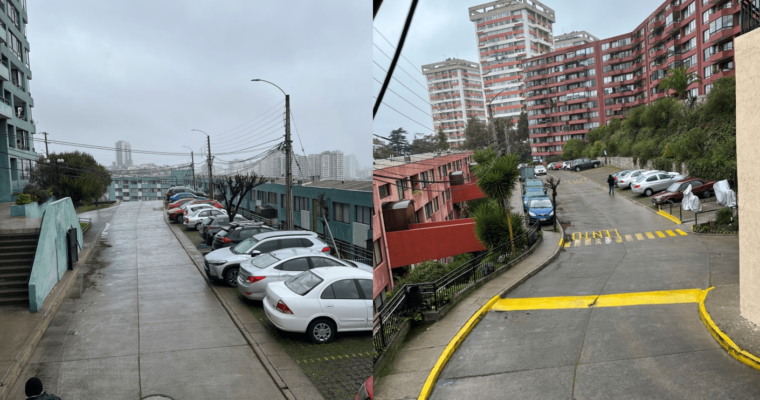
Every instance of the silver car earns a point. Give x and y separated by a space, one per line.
281 265
653 183
195 219
633 176
223 264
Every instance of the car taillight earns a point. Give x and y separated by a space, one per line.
254 279
638 186
226 240
187 220
283 308
616 178
326 250
622 181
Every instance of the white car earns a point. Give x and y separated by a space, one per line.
653 183
624 180
195 219
255 275
539 170
321 302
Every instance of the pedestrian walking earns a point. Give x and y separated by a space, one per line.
611 182
33 390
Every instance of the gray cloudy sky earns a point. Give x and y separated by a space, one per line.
442 29
150 71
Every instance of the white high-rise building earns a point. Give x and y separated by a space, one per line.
350 166
123 154
336 165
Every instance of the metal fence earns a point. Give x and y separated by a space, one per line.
431 296
710 215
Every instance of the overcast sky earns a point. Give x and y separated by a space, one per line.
442 29
150 71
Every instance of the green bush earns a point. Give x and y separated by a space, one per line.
724 216
23 198
38 195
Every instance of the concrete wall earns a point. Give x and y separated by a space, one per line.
31 210
747 56
50 259
632 163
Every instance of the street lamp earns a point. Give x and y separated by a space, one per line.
210 173
288 151
192 160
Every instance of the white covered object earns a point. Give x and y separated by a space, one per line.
690 202
724 194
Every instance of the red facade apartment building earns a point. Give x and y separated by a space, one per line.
415 218
577 88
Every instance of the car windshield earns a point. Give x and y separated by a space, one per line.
534 183
540 203
264 260
244 246
673 188
534 194
303 283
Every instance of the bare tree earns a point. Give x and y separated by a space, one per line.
551 184
234 188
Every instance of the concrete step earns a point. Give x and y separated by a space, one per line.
14 292
21 247
14 276
15 269
17 254
17 242
15 284
8 261
15 301
19 236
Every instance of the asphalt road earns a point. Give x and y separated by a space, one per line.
633 352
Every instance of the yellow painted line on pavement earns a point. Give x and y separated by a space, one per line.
680 232
638 236
606 300
660 234
427 388
578 243
649 235
567 244
628 238
561 242
733 349
670 233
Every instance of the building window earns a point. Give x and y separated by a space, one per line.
377 254
400 188
364 215
428 210
300 203
342 212
435 204
282 200
384 190
272 198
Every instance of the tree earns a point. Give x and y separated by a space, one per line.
79 176
523 129
476 135
424 144
233 190
380 149
504 132
551 184
493 223
678 80
572 149
398 141
496 179
443 140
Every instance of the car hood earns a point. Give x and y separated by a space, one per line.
225 254
172 210
540 210
663 194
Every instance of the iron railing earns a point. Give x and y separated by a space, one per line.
734 209
432 296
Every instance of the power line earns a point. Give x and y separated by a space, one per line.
265 112
399 82
423 86
402 98
394 47
425 126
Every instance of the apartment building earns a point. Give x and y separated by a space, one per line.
16 103
574 38
578 88
456 95
123 154
148 187
508 32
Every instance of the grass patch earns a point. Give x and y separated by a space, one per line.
91 207
85 226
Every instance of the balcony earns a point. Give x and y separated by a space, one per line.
6 111
4 74
721 55
431 241
725 33
722 73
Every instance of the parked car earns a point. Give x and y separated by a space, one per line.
532 194
585 163
539 170
189 209
176 214
195 220
674 193
179 203
624 180
223 264
619 173
654 183
176 189
213 225
185 195
566 165
321 302
365 392
532 183
236 232
540 209
527 173
281 265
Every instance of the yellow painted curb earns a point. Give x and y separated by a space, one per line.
742 355
670 217
608 300
427 389
561 242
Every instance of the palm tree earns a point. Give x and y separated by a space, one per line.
497 177
679 79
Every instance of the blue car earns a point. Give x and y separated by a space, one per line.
532 194
540 209
185 196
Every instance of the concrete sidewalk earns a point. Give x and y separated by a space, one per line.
19 325
141 321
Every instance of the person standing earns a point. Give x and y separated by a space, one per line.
611 182
33 390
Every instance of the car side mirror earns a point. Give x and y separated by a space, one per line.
255 253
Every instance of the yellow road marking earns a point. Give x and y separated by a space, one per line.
670 233
607 300
595 234
680 232
608 233
567 244
649 235
561 242
660 234
619 239
638 236
617 233
628 238
588 242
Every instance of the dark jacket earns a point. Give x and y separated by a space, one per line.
44 396
611 180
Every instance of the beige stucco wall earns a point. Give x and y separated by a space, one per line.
747 57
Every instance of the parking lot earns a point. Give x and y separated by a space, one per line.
336 369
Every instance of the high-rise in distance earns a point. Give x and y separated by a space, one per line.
123 154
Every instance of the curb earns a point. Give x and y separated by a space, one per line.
735 351
669 216
448 352
10 378
271 370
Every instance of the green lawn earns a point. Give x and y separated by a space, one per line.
91 207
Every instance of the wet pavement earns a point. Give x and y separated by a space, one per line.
141 320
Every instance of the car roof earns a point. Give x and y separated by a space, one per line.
267 235
293 252
328 273
534 193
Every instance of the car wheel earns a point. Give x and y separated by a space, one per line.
577 169
198 227
596 165
706 194
321 331
648 192
230 276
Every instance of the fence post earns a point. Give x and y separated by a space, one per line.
435 297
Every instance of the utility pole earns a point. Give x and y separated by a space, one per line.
47 155
210 172
288 168
192 166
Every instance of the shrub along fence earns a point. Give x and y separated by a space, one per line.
634 163
413 299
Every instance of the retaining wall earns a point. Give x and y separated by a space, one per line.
633 163
31 210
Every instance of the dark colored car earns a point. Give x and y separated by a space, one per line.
213 225
674 193
236 233
177 189
584 163
527 173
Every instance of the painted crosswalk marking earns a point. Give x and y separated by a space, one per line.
628 238
638 236
680 232
670 233
660 234
649 235
607 236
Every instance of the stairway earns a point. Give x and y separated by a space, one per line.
16 258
